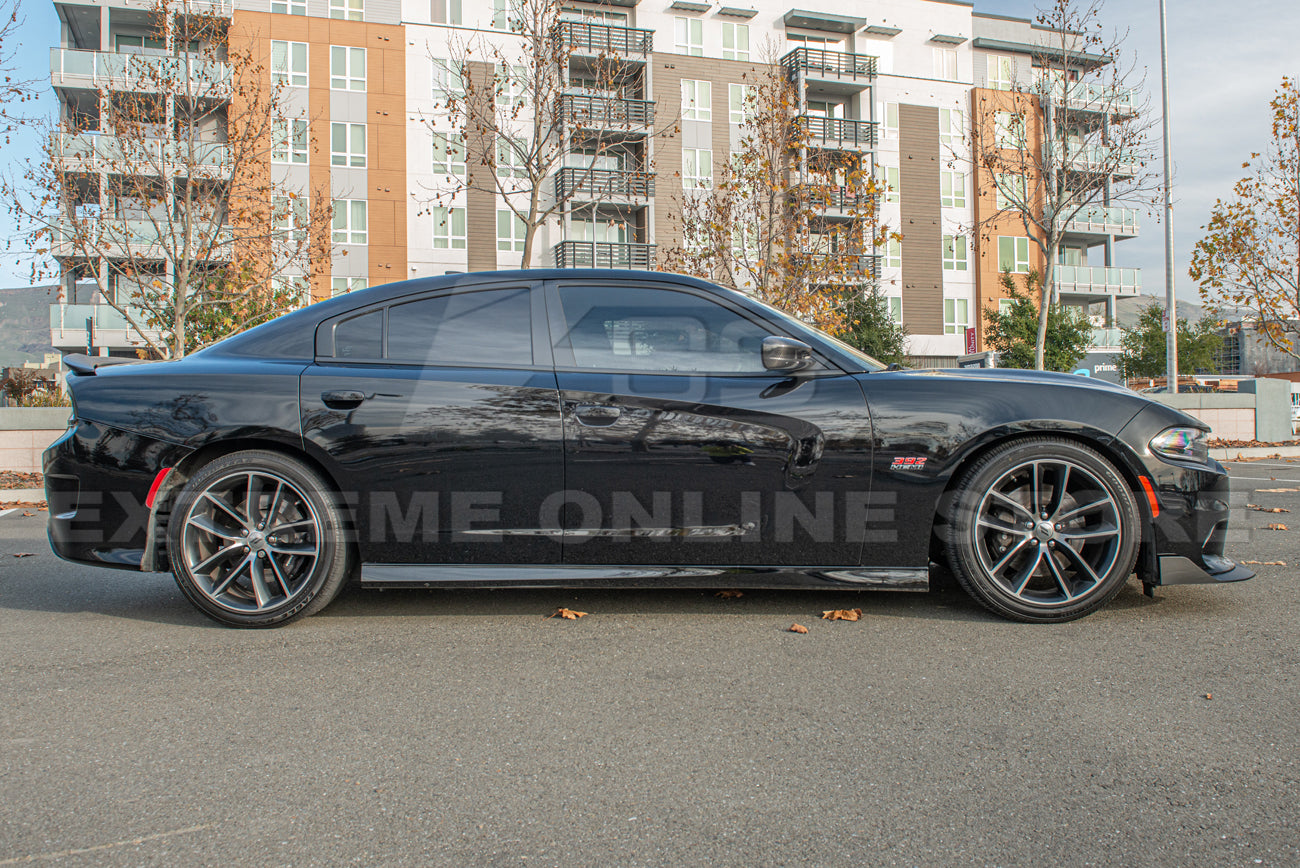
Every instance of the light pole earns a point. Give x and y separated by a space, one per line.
1171 307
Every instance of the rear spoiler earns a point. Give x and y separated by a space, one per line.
80 363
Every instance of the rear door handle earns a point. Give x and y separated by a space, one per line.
596 415
342 400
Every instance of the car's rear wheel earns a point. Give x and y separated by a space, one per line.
1043 530
257 540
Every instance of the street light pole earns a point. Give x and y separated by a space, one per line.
1171 306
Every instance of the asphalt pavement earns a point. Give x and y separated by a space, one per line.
665 728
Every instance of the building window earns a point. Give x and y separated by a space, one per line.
349 221
738 99
348 145
289 218
697 100
954 253
1012 191
893 253
344 285
289 7
510 232
1013 254
697 169
887 181
735 41
1005 305
1009 130
952 128
289 141
352 10
956 316
449 154
952 189
447 83
1001 72
511 84
945 64
449 228
511 161
891 120
347 68
503 15
289 63
896 309
446 12
690 36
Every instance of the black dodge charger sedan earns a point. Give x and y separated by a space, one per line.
615 428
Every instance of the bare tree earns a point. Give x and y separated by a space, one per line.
1071 140
790 223
14 89
160 190
555 115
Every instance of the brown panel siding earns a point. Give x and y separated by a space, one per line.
918 178
481 204
386 142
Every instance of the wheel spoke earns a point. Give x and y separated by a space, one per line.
1082 510
254 502
1035 488
279 576
1002 526
1058 495
1080 563
230 577
302 549
1012 503
1055 570
1006 558
260 590
1028 572
274 510
218 555
207 525
304 522
1107 530
230 510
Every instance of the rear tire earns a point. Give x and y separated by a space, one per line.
257 539
1043 530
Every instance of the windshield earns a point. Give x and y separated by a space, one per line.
867 362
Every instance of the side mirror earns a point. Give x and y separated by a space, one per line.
786 354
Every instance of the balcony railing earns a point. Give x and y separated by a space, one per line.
583 110
838 133
584 37
1097 97
1107 338
855 266
70 67
820 63
1098 280
1098 158
603 184
97 152
111 329
834 197
602 254
1103 220
134 237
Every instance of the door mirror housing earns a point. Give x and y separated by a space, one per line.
786 354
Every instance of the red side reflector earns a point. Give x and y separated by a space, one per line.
1151 496
157 484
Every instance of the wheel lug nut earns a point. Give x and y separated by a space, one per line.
245 548
261 554
244 532
1051 544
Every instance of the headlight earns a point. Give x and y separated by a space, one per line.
1185 444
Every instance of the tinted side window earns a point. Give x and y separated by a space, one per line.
361 337
492 327
644 329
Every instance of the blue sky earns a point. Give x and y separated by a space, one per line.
1226 60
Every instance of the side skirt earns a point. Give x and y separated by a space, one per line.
559 576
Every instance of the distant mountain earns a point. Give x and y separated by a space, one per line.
25 323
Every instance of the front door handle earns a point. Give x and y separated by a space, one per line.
596 415
342 400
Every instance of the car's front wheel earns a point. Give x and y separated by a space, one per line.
257 540
1043 530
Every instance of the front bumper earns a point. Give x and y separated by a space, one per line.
1191 531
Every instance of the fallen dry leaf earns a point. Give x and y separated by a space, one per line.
798 628
568 614
1275 563
730 594
1209 696
29 514
24 554
1277 527
842 615
1250 562
1267 508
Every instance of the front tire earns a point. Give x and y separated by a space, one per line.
257 540
1043 530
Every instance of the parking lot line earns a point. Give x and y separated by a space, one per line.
1265 478
4 512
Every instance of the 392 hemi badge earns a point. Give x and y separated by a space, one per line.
907 463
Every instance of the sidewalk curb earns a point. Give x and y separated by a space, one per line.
12 495
1230 452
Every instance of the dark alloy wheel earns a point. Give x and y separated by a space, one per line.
1043 530
257 540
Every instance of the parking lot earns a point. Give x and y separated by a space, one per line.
665 728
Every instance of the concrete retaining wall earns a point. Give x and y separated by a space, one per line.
25 432
1260 410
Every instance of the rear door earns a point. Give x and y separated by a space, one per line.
681 448
441 416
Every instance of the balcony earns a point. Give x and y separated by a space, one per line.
601 254
109 328
1103 220
1097 280
606 112
1096 98
589 185
841 134
857 267
1106 338
134 238
94 70
584 37
851 72
1100 159
94 152
836 200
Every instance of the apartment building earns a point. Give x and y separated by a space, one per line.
894 85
